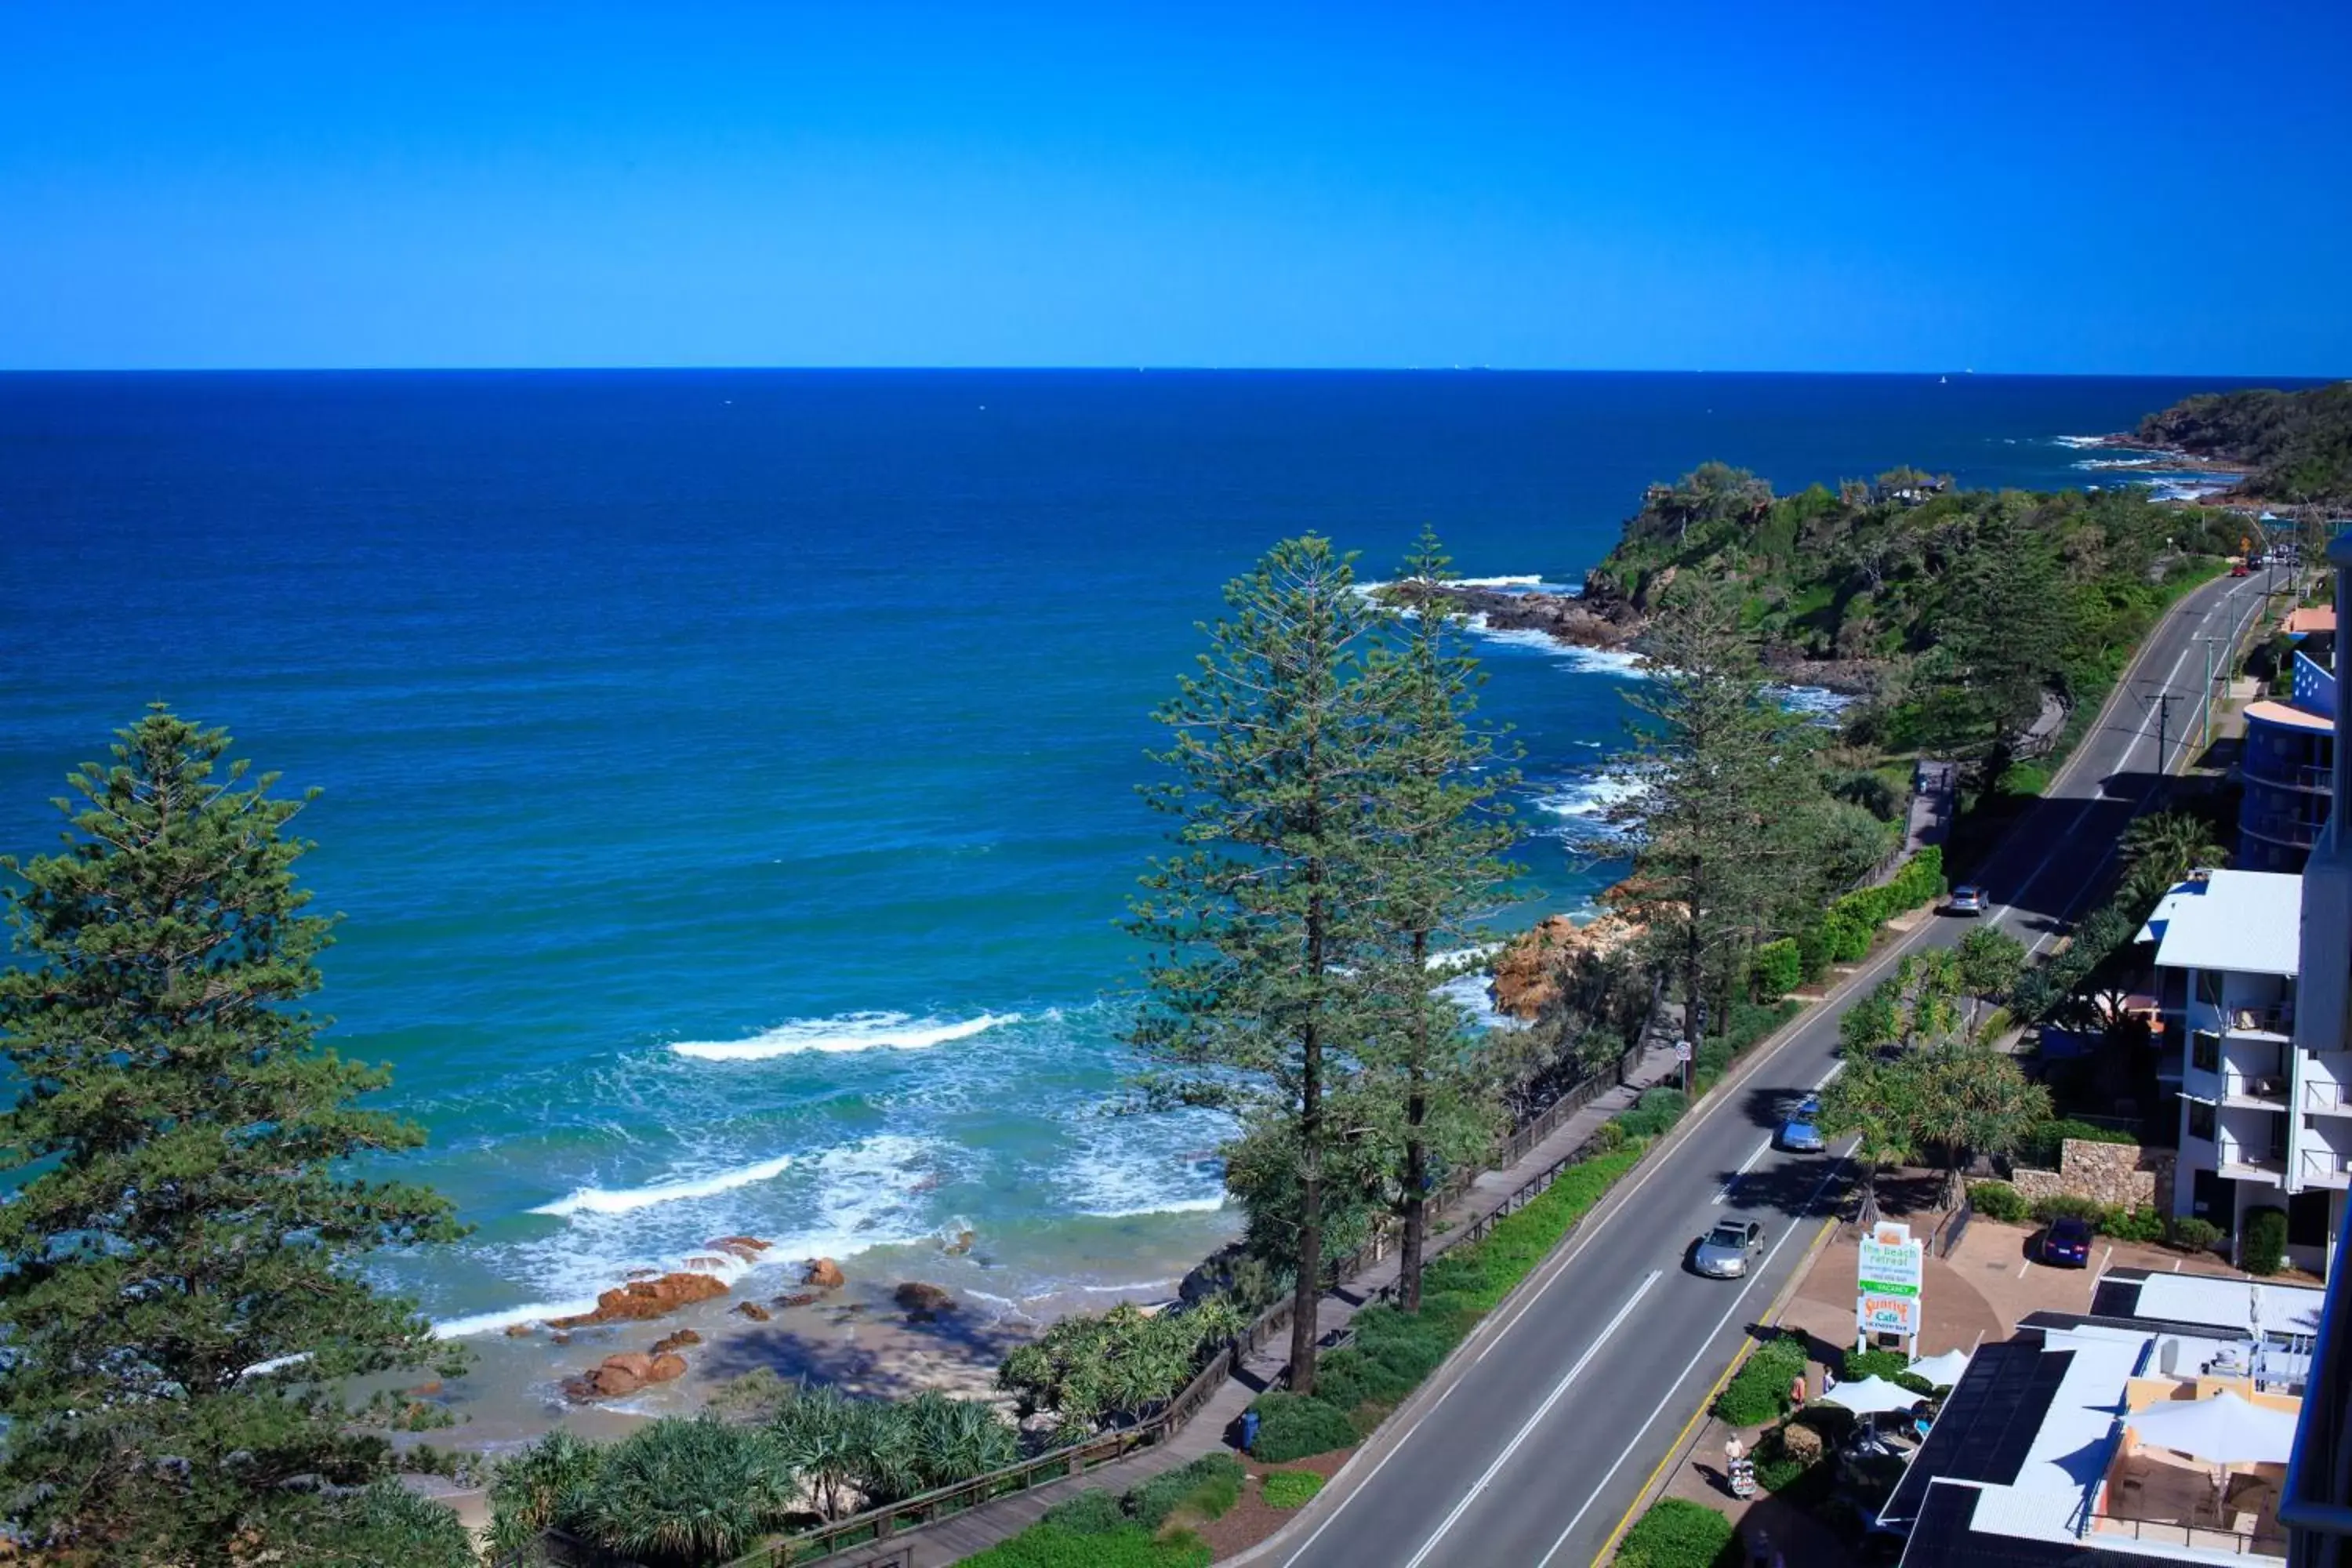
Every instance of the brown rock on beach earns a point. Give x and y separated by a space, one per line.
923 1303
642 1299
747 1248
664 1368
669 1342
824 1273
797 1298
752 1310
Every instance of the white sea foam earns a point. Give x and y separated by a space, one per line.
1819 701
623 1200
842 1033
1621 663
1161 1163
1476 996
506 1318
1589 798
2080 441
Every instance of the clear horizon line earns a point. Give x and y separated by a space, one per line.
1168 369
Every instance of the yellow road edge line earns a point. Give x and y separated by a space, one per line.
1680 1447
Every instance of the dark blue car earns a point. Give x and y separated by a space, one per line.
1801 1136
2067 1243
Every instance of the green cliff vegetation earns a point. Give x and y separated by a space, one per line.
1973 616
2297 445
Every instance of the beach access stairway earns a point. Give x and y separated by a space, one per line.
1535 1153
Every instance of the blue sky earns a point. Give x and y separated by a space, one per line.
2055 188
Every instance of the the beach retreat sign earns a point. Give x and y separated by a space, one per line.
1892 1268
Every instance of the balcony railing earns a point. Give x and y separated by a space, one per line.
2266 1089
2229 1153
2282 828
2274 1018
2326 1165
2287 775
2326 1097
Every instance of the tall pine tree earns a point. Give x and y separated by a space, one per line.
1437 855
1261 917
178 1298
1727 770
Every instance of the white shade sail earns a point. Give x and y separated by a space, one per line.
1943 1371
2222 1430
1871 1396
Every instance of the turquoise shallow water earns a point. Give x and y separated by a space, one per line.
729 776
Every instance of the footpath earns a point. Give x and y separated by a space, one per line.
1219 1421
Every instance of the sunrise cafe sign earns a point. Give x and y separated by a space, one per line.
1891 1269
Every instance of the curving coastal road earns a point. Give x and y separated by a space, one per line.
1531 1444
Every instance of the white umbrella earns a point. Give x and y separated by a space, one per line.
1871 1396
1943 1371
2222 1430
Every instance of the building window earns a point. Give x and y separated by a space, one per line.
2306 1218
2205 1051
2201 1121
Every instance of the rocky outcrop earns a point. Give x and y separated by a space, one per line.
754 1310
961 1244
746 1248
618 1376
1568 618
1528 972
797 1298
923 1303
824 1273
678 1340
519 1331
664 1368
642 1298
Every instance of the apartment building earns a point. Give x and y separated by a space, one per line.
2263 1119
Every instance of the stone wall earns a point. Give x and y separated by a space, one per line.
2121 1176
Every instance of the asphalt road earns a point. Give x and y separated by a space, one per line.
1532 1445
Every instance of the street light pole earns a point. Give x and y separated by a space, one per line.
2205 710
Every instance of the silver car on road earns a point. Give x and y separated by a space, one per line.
1723 1252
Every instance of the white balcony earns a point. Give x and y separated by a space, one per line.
2254 1091
2323 1167
2249 1163
2326 1097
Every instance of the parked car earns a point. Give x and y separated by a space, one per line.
1967 899
2067 1243
1808 1108
2240 569
1799 1135
1723 1252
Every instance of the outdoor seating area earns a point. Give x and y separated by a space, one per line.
2199 1466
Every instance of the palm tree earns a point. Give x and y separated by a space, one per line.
529 1491
952 1440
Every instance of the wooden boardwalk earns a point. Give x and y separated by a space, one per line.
1218 1424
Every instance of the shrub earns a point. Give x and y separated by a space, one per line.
2263 1250
1677 1533
1888 1364
1205 1488
1295 1428
1813 952
1653 1113
2195 1235
1751 1021
1758 1392
1089 1370
1093 1512
1994 1025
1778 968
1289 1488
1047 1545
2000 1201
2064 1206
2024 779
2133 1223
527 1490
385 1522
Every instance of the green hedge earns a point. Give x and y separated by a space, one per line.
1778 968
1096 1529
1047 1545
1999 1202
1758 1391
2263 1250
1395 1351
1208 1487
1289 1488
1678 1533
2195 1235
1848 927
1888 1364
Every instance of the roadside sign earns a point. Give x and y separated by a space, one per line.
1681 1050
1890 1269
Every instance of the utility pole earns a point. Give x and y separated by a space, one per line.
2205 708
2163 718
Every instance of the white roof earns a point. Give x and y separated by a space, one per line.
2247 921
2229 1303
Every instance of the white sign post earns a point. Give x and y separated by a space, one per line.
1891 1269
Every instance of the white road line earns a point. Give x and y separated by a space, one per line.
2023 1267
1373 1474
1720 1324
1511 1447
1836 1068
1723 1195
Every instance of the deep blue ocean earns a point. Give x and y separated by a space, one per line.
730 778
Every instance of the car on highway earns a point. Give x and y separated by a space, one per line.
1799 1135
2067 1243
2240 569
1723 1252
1808 1108
1967 899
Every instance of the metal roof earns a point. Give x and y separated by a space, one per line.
2250 922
